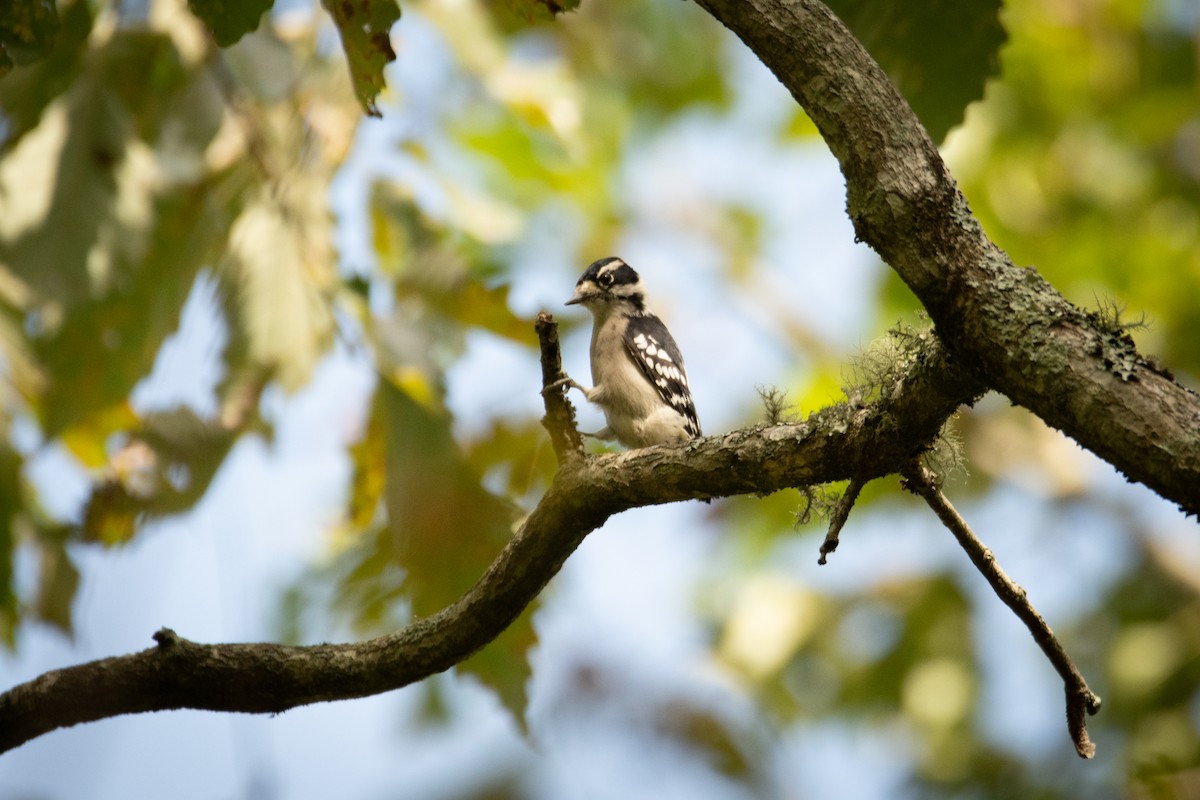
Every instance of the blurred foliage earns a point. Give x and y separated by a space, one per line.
365 28
229 21
142 157
1084 161
27 32
939 53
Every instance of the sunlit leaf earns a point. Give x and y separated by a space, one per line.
1093 130
938 52
364 26
78 209
368 459
164 468
88 438
445 272
275 287
50 252
933 619
770 619
477 306
230 20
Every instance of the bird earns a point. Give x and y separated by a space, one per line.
638 377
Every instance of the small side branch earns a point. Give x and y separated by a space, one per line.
837 519
1081 701
560 414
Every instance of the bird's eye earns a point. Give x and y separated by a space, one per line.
605 279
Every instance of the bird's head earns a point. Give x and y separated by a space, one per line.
606 282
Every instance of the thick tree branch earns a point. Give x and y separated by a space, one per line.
1007 325
833 444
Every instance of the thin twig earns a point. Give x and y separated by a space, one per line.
1081 701
560 414
837 519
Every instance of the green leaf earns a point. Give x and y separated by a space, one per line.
25 92
165 468
230 20
503 665
662 59
105 347
364 26
512 13
27 31
445 528
939 53
144 71
57 584
50 254
61 192
446 272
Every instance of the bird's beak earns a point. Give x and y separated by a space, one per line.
580 295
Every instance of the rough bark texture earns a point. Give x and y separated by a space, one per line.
1005 324
1001 327
833 444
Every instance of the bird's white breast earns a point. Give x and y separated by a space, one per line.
631 404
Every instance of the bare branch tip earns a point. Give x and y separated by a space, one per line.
1081 702
560 414
166 638
837 520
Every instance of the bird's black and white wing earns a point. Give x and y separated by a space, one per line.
654 351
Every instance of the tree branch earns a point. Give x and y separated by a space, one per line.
1081 701
560 414
1007 325
837 520
833 444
